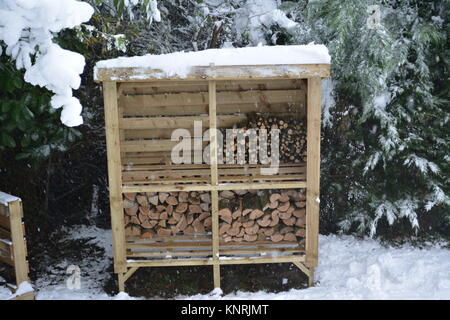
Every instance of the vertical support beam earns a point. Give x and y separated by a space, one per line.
115 175
313 172
18 240
214 180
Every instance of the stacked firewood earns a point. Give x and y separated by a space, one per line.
244 215
250 215
163 214
292 140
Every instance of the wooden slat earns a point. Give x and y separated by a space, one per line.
18 239
220 187
114 174
4 222
262 97
186 122
225 108
3 210
173 86
6 249
313 172
303 71
206 262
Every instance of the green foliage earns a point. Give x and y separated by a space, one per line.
28 123
386 161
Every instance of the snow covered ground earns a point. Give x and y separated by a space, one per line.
349 268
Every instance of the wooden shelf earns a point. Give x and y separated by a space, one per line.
146 178
200 246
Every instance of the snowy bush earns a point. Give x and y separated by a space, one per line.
27 28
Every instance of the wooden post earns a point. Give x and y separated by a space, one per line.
214 180
18 239
313 172
115 176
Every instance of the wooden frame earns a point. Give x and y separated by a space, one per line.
13 248
138 147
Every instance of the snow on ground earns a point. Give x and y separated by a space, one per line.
349 268
363 269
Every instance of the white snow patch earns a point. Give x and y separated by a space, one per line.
7 198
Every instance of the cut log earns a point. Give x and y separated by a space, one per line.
273 205
236 214
300 233
160 208
142 200
255 214
299 213
284 197
130 196
301 222
204 206
153 200
132 211
163 232
284 207
172 220
246 212
269 231
286 230
195 208
248 223
290 237
204 215
190 218
264 221
198 226
227 194
285 215
162 223
164 215
233 231
133 230
300 204
172 200
148 233
169 209
182 207
290 221
128 203
205 197
182 224
208 222
177 216
275 218
226 215
153 215
163 197
277 237
183 196
252 230
224 228
274 197
250 237
135 220
189 230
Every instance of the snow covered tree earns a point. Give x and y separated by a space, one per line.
386 148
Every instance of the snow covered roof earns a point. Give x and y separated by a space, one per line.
304 61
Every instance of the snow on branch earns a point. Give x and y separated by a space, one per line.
27 28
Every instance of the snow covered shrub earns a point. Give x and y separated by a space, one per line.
27 28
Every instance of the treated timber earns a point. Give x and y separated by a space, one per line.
281 71
313 172
18 239
114 174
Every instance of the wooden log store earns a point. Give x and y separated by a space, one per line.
13 247
204 210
